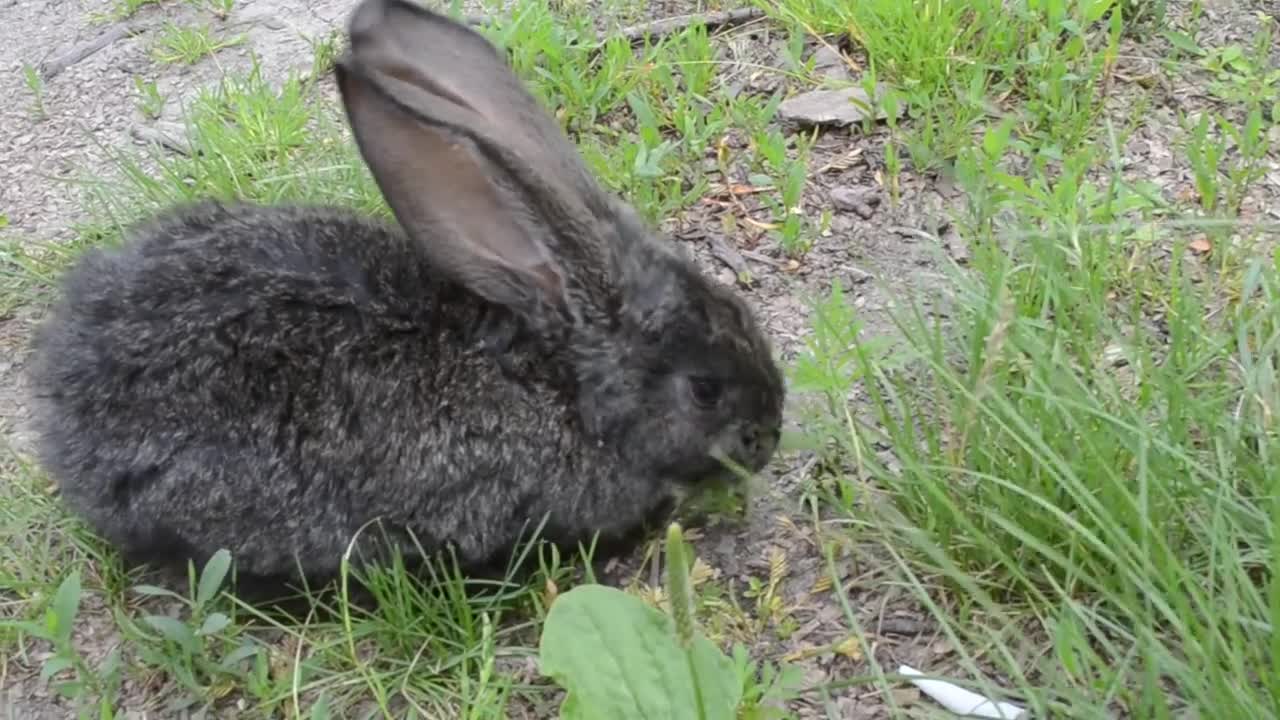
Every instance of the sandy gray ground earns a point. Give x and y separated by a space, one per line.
882 253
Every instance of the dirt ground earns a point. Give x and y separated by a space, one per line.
880 252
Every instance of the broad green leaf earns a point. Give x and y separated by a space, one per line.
619 658
174 630
33 629
66 605
719 686
70 690
215 571
244 652
571 709
53 666
110 664
153 591
1093 10
1183 42
320 710
214 623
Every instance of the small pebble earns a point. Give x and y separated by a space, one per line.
860 201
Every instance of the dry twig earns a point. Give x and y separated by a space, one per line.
663 27
50 68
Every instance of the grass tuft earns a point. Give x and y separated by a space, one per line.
190 45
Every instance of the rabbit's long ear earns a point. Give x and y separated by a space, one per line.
469 163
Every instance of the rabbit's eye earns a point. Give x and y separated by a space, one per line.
705 391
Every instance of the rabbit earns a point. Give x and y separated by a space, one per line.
511 349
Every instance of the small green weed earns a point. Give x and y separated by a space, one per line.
36 85
1227 163
1245 75
324 52
200 653
150 101
92 689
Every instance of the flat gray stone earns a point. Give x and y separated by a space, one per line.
832 107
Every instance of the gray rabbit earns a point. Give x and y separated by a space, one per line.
519 350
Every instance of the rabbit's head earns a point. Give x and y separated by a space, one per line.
667 365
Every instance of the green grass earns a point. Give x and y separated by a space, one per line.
189 45
36 85
1070 473
125 9
951 62
1082 484
150 100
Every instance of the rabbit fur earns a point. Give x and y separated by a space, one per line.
516 349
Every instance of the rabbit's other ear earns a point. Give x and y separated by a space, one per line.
447 198
472 167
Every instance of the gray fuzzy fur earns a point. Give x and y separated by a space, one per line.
271 379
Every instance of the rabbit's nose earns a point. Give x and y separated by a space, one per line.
758 443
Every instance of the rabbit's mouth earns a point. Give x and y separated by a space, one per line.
738 455
711 470
745 449
730 457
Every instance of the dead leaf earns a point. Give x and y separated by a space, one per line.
841 162
850 648
280 660
905 696
701 572
743 189
786 524
760 225
821 585
778 566
654 596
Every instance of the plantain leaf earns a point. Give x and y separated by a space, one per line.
619 658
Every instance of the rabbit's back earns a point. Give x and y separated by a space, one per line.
267 380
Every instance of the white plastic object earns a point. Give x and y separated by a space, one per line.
961 701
